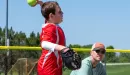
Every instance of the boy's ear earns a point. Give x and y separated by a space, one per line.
51 15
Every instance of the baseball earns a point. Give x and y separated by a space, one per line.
32 2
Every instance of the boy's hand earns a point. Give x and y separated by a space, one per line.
39 2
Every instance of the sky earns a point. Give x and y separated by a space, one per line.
85 21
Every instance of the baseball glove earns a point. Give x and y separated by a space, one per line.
71 59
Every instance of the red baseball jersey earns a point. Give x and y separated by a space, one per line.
50 62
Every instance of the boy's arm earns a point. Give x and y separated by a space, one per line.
51 46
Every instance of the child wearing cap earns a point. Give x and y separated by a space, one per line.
92 65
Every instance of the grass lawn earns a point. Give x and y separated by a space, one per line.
118 70
111 70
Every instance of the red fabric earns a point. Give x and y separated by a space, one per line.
50 67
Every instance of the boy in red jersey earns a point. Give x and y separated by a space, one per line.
52 39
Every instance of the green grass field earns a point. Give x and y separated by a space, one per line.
112 70
118 70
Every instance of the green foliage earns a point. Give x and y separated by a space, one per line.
124 57
20 39
110 57
75 46
87 46
2 37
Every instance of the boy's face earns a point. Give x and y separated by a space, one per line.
58 16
